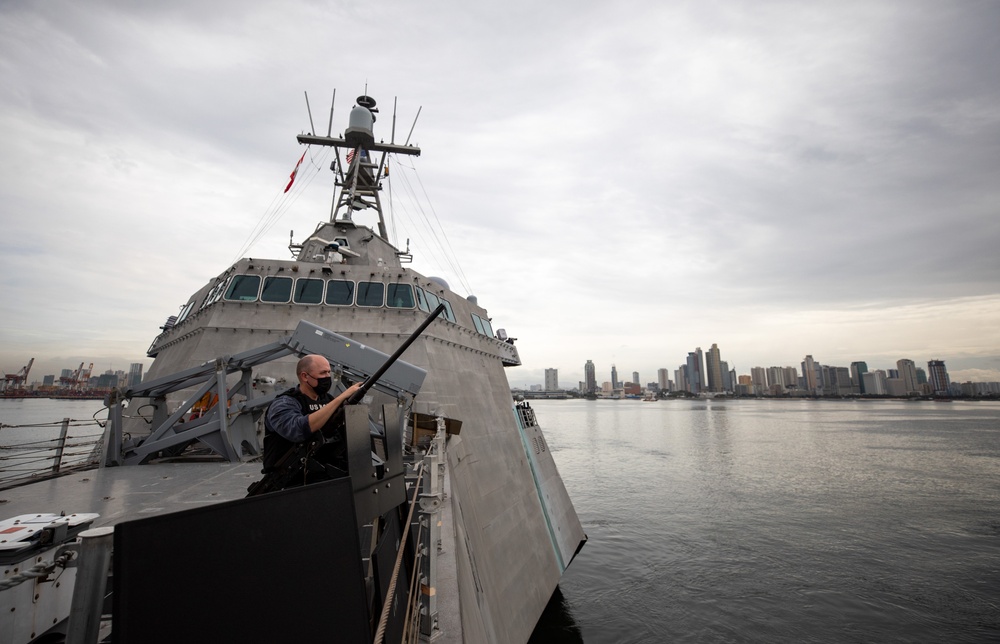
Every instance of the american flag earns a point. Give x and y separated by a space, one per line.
350 157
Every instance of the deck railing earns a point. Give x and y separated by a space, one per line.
26 461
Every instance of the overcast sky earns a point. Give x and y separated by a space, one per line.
620 182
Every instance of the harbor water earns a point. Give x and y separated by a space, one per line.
761 521
779 521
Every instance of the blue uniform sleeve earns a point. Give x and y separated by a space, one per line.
285 417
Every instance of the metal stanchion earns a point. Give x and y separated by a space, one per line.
88 592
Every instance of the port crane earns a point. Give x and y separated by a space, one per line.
79 377
19 379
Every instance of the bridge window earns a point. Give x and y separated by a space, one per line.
487 327
421 300
370 293
339 293
448 313
185 312
276 289
243 288
215 294
478 323
308 291
432 300
399 296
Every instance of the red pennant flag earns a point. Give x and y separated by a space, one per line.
291 179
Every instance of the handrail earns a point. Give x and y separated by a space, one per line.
24 462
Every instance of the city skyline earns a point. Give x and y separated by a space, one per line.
905 369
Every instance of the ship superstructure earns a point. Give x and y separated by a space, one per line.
513 529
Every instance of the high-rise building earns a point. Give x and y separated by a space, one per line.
791 378
809 373
701 369
840 381
858 369
940 383
614 377
635 377
758 380
908 374
662 379
695 378
134 374
713 366
921 376
875 383
776 377
590 376
728 377
551 379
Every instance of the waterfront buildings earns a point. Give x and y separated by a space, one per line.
590 377
858 369
551 380
662 379
695 373
809 373
939 381
134 374
908 374
713 366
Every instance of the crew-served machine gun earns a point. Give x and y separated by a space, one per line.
296 461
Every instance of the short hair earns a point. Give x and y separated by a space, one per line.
304 364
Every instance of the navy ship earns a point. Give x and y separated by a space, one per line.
453 525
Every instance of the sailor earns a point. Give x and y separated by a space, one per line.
297 414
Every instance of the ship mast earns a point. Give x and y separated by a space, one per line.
361 181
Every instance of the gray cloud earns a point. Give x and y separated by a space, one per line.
659 176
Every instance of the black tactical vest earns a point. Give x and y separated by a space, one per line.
276 445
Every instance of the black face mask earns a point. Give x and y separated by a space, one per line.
323 385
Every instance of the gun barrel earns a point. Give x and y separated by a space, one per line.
370 382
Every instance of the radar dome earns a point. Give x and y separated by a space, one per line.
440 282
473 299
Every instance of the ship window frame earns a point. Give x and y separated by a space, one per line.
272 279
432 300
488 327
296 291
342 242
421 300
185 312
479 324
330 284
394 287
234 283
448 312
363 287
217 292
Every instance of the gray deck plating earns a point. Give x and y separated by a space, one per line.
123 493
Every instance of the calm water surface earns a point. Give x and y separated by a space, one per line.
781 521
31 424
761 521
